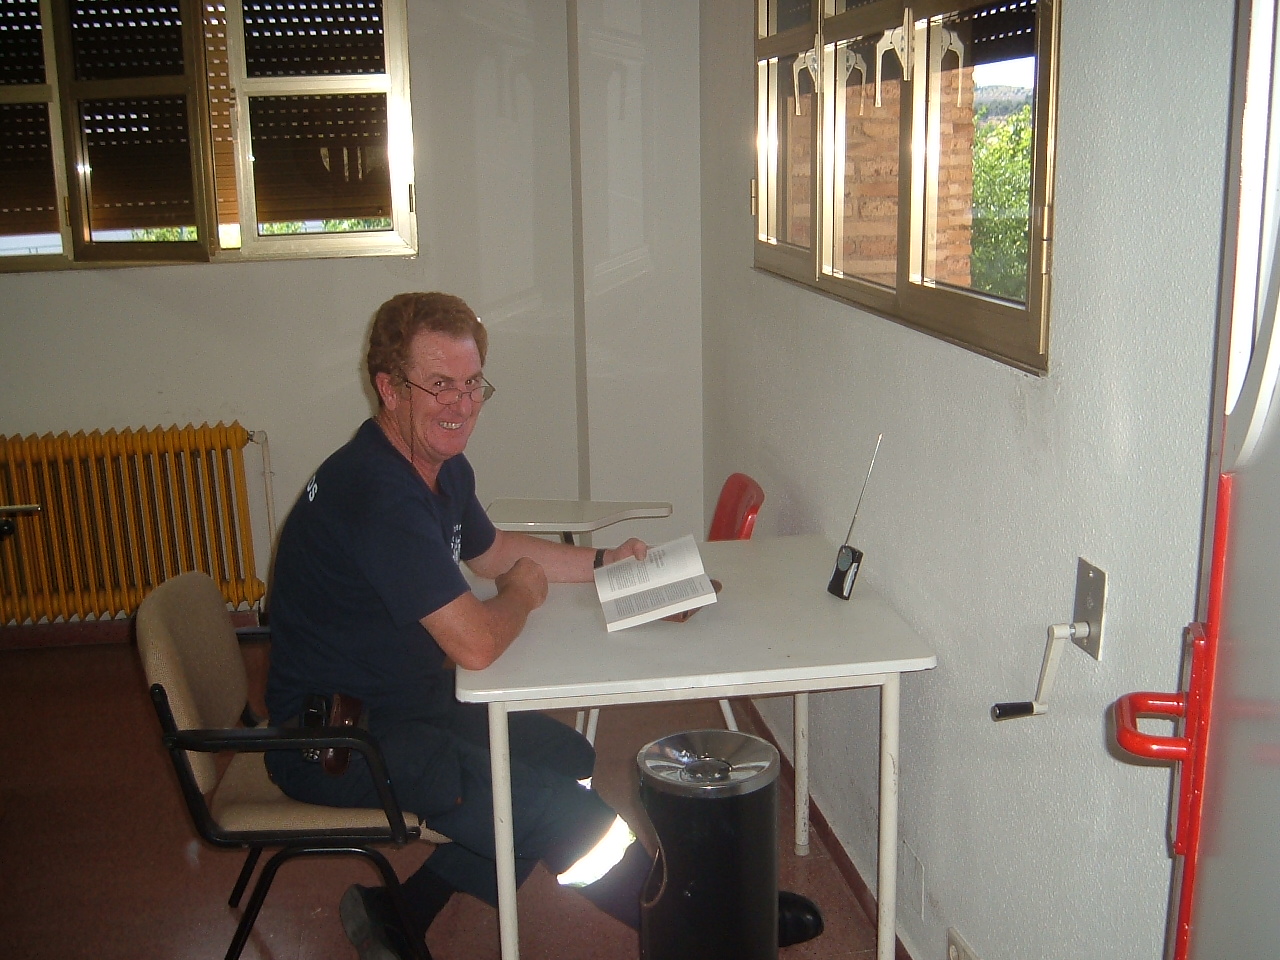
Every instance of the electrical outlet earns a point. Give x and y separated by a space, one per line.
957 949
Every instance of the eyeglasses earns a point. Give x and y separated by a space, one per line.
451 395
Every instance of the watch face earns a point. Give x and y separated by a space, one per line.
844 559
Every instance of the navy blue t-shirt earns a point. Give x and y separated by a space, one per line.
367 552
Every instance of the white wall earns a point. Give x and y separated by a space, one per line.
643 311
278 346
1035 841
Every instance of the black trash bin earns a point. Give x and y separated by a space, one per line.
712 797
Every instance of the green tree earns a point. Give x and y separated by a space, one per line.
275 228
158 234
1002 204
281 227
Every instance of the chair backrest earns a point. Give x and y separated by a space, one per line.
188 645
735 516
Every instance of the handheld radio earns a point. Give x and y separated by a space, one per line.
848 557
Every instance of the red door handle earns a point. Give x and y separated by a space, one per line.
1134 705
1193 708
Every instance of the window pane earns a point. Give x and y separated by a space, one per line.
138 176
115 39
781 15
320 163
840 6
860 230
981 94
311 37
21 42
786 105
28 192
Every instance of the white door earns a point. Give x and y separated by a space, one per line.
1235 900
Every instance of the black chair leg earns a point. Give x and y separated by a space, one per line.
268 874
254 906
250 861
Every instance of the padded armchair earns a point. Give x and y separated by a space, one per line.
199 688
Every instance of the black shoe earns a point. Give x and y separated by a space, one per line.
372 925
798 919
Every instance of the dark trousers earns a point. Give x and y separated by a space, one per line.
440 771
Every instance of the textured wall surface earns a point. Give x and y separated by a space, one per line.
1035 840
279 346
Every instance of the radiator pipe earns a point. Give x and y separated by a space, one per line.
9 526
260 438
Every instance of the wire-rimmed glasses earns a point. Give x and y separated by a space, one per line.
451 395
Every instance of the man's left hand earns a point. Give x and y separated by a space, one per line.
631 548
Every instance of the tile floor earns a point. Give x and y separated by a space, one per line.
98 860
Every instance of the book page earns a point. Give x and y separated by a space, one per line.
657 602
666 563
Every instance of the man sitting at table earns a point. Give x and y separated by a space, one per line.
368 601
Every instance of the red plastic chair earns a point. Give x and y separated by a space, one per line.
735 519
735 516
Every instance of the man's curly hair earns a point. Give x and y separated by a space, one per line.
406 315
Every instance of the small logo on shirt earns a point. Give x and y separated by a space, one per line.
312 487
456 542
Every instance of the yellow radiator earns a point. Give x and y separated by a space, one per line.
119 513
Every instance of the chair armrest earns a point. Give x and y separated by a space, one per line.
264 739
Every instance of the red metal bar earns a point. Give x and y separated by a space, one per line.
1134 705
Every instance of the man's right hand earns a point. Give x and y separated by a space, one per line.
528 577
473 632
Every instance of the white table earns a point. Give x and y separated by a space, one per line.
775 630
567 517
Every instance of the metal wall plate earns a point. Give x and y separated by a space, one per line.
1091 599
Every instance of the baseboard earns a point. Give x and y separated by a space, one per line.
70 634
76 633
819 825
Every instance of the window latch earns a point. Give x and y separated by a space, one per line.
944 41
899 41
848 61
804 61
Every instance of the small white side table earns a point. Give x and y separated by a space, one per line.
567 517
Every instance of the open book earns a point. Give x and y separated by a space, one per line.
670 579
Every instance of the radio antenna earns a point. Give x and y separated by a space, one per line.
849 535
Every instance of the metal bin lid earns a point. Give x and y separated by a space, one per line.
708 763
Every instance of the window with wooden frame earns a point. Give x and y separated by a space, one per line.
175 130
905 162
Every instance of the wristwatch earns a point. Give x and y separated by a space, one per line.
599 558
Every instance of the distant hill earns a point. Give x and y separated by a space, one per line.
1000 101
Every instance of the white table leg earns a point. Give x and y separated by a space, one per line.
887 881
802 773
503 835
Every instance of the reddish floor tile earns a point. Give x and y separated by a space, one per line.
98 860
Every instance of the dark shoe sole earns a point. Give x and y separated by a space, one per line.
367 933
799 919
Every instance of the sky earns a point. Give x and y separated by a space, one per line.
1007 73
